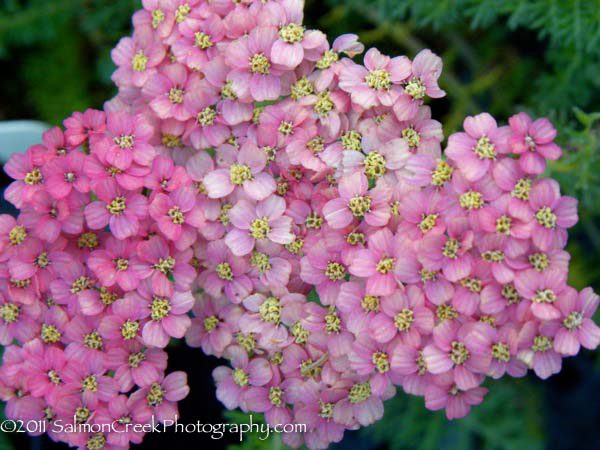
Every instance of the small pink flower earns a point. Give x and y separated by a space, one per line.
137 57
159 261
378 83
423 81
474 150
64 174
125 141
533 141
215 322
325 269
245 170
135 365
177 214
246 372
577 327
449 352
116 263
376 263
405 315
121 210
549 215
90 378
260 222
537 351
255 75
198 41
169 91
165 176
356 201
167 312
444 394
162 395
79 126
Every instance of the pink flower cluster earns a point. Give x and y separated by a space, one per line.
299 205
96 275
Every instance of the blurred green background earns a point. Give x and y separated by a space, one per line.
539 56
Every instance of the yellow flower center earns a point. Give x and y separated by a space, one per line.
177 217
471 200
324 104
359 392
503 225
202 40
521 189
302 88
374 165
415 88
239 174
335 271
404 319
34 177
379 79
210 323
484 148
370 303
385 265
259 228
270 310
352 140
139 61
129 329
328 58
93 341
260 64
9 313
441 174
17 235
207 116
412 136
159 308
381 362
451 248
360 205
176 95
117 206
291 33
546 218
240 377
539 261
544 296
459 353
501 352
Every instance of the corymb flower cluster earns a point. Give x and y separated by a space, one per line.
255 190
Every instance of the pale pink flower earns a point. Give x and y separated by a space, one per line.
260 222
474 150
533 140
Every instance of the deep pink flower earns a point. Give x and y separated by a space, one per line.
125 141
116 263
121 210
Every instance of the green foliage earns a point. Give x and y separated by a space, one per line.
253 441
508 419
61 51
